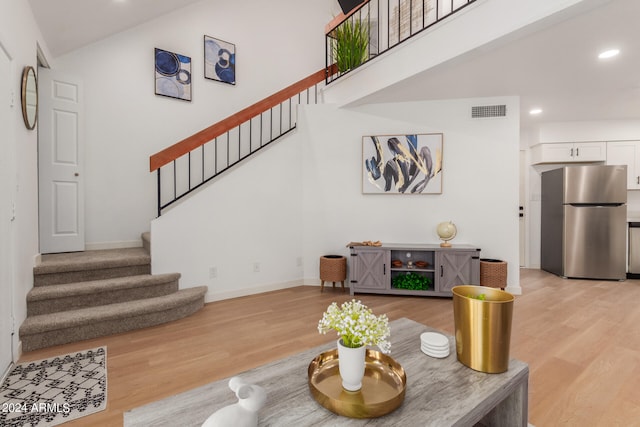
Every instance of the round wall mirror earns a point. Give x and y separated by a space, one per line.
29 97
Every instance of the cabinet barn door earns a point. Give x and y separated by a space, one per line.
456 268
370 269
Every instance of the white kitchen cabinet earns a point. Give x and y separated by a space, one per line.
626 153
571 152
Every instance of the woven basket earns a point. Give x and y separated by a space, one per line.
333 268
493 273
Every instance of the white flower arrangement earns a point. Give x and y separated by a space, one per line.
356 324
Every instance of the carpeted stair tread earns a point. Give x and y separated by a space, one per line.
57 269
71 296
72 318
89 260
83 295
75 325
95 286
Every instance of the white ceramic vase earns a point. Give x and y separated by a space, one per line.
351 366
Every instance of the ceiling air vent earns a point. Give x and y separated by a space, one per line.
485 111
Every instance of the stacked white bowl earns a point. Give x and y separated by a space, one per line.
434 344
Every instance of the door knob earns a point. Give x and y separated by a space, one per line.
76 174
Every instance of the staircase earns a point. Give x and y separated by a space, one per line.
83 295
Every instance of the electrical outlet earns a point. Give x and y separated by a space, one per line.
213 272
299 261
256 267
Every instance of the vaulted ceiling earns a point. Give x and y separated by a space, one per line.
555 68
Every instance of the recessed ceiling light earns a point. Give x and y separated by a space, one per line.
609 53
535 111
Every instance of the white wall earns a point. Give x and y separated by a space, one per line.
480 180
302 198
251 214
19 36
126 122
579 131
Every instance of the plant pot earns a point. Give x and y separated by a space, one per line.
351 366
493 273
482 327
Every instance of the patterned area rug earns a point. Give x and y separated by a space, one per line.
53 391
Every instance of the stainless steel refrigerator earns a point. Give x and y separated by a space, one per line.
584 222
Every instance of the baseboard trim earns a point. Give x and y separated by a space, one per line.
514 290
113 245
17 352
219 296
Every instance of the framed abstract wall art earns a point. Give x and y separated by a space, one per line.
402 164
173 75
219 60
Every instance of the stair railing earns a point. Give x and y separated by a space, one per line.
189 164
388 23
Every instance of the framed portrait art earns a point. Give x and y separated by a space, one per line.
402 164
219 60
173 75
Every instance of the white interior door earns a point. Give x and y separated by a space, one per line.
60 142
7 171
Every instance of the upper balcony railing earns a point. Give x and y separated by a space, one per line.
383 25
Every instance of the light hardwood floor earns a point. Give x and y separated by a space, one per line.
581 339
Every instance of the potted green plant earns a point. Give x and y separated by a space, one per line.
351 44
357 328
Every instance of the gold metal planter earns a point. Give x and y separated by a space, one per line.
483 327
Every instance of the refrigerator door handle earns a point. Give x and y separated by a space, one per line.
595 205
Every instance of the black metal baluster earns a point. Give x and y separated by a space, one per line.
215 156
159 194
175 185
251 135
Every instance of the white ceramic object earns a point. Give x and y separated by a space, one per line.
434 339
436 354
434 344
351 366
244 413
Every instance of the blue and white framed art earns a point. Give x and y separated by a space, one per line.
173 75
219 60
402 164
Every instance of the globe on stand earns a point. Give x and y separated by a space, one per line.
446 231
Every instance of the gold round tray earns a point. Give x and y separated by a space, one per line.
383 385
